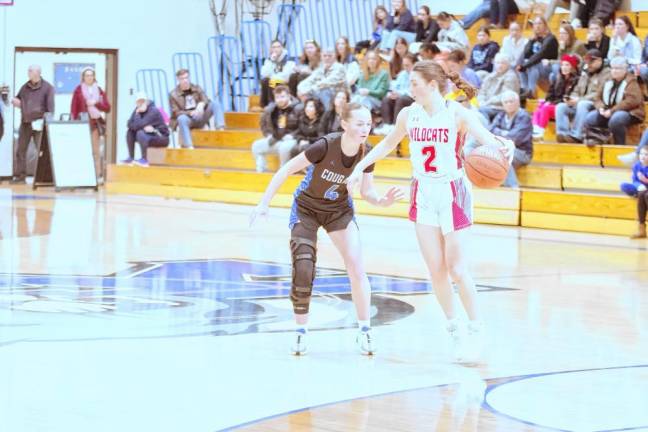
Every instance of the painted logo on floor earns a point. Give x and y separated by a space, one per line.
182 298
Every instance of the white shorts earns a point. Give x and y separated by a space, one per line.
447 205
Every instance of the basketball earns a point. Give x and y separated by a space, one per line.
486 167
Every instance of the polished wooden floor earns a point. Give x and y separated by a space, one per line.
138 313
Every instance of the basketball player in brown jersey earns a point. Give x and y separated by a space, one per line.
322 200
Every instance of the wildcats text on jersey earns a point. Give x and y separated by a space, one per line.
425 134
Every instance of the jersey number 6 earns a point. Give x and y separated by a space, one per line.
430 152
330 193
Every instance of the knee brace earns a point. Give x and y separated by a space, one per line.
303 273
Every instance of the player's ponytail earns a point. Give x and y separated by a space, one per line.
430 70
463 85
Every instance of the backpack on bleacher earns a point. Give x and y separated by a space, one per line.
597 135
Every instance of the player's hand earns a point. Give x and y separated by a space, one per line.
507 148
353 180
392 195
260 211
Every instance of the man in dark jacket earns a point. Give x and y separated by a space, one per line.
190 107
514 123
35 101
147 127
534 64
278 125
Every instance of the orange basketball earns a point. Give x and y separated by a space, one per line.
486 167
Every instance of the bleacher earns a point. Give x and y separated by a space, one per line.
567 186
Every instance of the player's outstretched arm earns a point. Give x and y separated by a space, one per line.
369 193
294 165
470 123
381 150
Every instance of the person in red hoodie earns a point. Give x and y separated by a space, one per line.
90 101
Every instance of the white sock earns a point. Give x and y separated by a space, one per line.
364 323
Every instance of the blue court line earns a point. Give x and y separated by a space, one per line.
484 404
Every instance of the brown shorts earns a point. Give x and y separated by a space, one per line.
312 220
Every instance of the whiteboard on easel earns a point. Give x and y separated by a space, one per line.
70 145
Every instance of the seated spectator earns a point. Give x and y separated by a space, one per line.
481 11
576 9
309 60
428 51
398 96
278 125
559 91
514 123
190 107
427 29
637 188
641 70
308 125
483 54
373 83
331 120
400 25
502 79
500 10
451 36
396 62
344 56
625 42
514 43
456 62
328 79
581 100
90 100
275 70
596 37
567 44
543 46
146 127
619 104
604 10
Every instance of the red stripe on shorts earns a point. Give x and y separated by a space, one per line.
413 211
460 201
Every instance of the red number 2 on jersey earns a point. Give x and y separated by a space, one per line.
430 152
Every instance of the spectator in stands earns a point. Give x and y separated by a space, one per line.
567 44
373 83
559 92
581 100
398 96
396 62
278 125
328 79
400 25
427 29
451 36
190 107
481 11
543 46
624 42
483 54
575 8
596 37
35 99
500 10
619 104
331 120
456 62
308 125
428 51
604 9
275 70
514 43
4 98
502 79
641 70
638 188
90 101
146 126
309 60
514 123
344 56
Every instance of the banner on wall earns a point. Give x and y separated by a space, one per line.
68 75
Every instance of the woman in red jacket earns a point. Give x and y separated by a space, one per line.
89 98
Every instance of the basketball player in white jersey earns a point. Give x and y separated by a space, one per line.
441 194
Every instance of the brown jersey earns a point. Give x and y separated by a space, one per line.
324 187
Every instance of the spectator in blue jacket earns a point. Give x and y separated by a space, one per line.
147 127
637 188
514 123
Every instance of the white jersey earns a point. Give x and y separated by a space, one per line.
435 143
